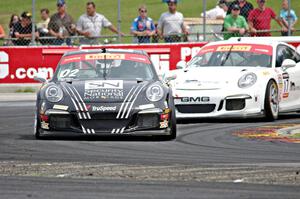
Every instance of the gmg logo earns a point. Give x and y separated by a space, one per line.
4 67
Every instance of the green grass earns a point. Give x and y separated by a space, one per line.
26 90
190 8
296 136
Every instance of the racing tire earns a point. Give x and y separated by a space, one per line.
271 101
172 120
37 128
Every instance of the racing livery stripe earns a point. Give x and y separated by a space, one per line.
122 130
77 110
124 102
82 102
67 87
131 97
134 101
83 129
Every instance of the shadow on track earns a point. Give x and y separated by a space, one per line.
281 118
97 138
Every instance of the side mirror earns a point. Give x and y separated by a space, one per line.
181 65
288 63
170 78
40 77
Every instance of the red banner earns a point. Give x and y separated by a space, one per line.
21 64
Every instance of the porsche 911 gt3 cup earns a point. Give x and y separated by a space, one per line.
105 92
239 78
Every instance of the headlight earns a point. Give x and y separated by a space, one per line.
154 92
54 94
247 80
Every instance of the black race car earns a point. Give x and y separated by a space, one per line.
105 92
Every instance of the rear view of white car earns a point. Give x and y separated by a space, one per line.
242 78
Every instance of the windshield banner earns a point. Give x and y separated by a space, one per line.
259 49
103 56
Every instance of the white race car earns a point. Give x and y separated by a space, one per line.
243 77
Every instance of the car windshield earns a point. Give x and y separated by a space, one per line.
105 66
233 55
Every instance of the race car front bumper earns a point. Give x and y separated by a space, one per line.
142 122
211 104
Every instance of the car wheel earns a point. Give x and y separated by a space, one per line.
37 128
271 101
172 120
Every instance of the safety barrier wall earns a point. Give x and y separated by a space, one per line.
19 65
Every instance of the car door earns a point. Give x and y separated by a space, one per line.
291 78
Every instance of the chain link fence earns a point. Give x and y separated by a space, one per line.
27 33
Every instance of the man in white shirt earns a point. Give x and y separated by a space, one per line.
171 24
91 23
219 12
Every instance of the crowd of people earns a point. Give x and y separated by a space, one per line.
240 18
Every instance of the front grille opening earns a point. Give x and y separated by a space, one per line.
199 108
235 104
148 121
62 121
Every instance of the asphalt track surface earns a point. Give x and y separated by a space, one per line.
199 144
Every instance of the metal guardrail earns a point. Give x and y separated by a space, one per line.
114 39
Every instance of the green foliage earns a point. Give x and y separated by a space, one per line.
26 90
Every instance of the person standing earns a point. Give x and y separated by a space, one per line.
171 24
260 19
143 27
219 12
245 7
91 23
22 30
235 24
284 15
2 33
45 19
61 25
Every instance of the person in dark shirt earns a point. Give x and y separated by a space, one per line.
61 25
22 30
244 5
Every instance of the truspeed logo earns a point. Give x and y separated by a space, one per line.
21 72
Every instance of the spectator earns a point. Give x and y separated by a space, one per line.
143 27
22 30
245 7
91 23
171 24
260 20
45 19
235 24
13 20
43 25
219 12
284 15
2 33
61 25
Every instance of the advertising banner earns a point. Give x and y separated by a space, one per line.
21 64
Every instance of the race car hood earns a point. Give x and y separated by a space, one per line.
210 78
103 91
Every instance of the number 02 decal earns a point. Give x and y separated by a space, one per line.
68 73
